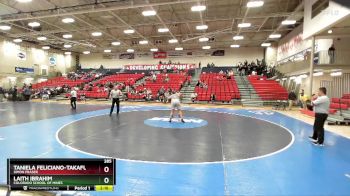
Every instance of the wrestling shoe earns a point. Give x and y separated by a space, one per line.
312 139
317 144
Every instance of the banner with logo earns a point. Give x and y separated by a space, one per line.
143 55
22 55
160 67
127 56
160 55
24 70
52 60
218 53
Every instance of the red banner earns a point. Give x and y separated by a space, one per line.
160 67
160 55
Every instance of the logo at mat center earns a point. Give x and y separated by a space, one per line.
163 122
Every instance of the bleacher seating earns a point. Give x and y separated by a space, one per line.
60 81
268 89
90 94
128 79
175 83
224 89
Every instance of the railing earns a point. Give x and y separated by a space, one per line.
340 57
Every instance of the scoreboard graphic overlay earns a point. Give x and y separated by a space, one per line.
61 174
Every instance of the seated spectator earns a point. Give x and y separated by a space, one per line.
194 96
154 77
212 97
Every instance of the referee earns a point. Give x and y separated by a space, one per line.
321 108
115 95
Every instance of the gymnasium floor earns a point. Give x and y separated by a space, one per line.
218 151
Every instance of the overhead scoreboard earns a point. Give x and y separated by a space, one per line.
61 174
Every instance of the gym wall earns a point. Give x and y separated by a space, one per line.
232 57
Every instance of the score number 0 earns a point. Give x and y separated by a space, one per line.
106 170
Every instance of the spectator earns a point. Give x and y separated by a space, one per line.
292 97
331 54
14 93
212 98
2 94
303 99
194 96
154 77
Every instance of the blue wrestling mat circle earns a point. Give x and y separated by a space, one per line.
163 122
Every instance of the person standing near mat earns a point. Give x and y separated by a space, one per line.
321 108
73 98
115 96
176 105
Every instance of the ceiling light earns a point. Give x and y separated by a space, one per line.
163 30
293 78
238 37
34 24
107 51
154 49
235 46
288 22
244 25
42 38
202 27
67 53
303 76
46 47
115 43
143 42
334 74
149 13
67 36
266 44
198 8
275 36
206 47
203 39
171 41
67 45
24 1
96 34
130 50
178 48
129 31
86 52
68 20
17 40
318 74
330 31
255 3
5 27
